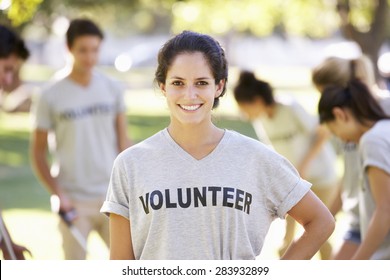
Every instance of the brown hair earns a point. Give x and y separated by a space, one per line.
82 27
356 96
190 42
339 71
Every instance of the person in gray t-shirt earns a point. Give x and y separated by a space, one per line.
195 191
353 115
339 71
86 114
296 135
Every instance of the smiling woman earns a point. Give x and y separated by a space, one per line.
196 191
190 91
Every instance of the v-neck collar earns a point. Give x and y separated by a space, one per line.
80 86
185 155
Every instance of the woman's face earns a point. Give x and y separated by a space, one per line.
252 110
7 69
345 126
190 89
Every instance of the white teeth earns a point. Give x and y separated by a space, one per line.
190 107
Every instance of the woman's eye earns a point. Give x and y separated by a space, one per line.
202 83
177 83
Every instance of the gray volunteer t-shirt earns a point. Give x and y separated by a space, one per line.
375 151
82 119
291 130
219 207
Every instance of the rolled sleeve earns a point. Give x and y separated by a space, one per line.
297 193
114 208
373 154
117 199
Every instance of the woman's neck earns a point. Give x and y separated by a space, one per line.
197 140
270 110
363 128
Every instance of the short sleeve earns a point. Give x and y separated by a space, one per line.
118 91
42 113
375 152
284 188
117 199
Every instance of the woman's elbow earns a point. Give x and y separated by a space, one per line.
331 225
327 224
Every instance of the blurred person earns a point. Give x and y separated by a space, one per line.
85 112
18 95
354 115
196 191
339 71
11 50
293 133
383 65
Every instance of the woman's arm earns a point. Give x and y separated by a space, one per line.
318 224
121 131
379 225
121 247
320 138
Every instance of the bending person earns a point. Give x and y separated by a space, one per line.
296 135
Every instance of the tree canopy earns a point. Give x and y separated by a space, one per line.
316 18
365 21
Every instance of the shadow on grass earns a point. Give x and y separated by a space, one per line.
19 188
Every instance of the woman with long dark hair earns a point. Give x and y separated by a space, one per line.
353 115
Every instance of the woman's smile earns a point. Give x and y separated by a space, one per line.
191 108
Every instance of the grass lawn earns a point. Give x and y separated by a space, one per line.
25 202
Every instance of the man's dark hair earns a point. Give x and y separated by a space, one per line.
82 27
11 43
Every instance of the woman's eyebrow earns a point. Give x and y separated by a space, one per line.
200 78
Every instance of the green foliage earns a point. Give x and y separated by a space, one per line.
315 18
362 14
22 11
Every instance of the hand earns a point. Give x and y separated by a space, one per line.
18 250
63 206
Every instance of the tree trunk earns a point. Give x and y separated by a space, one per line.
370 42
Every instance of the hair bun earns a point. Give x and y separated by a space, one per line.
246 77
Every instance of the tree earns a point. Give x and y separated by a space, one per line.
365 21
21 11
129 15
371 34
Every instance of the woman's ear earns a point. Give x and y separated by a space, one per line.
339 114
220 87
162 88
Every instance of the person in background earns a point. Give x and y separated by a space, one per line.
12 48
353 115
384 70
85 112
18 95
339 71
196 191
293 133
